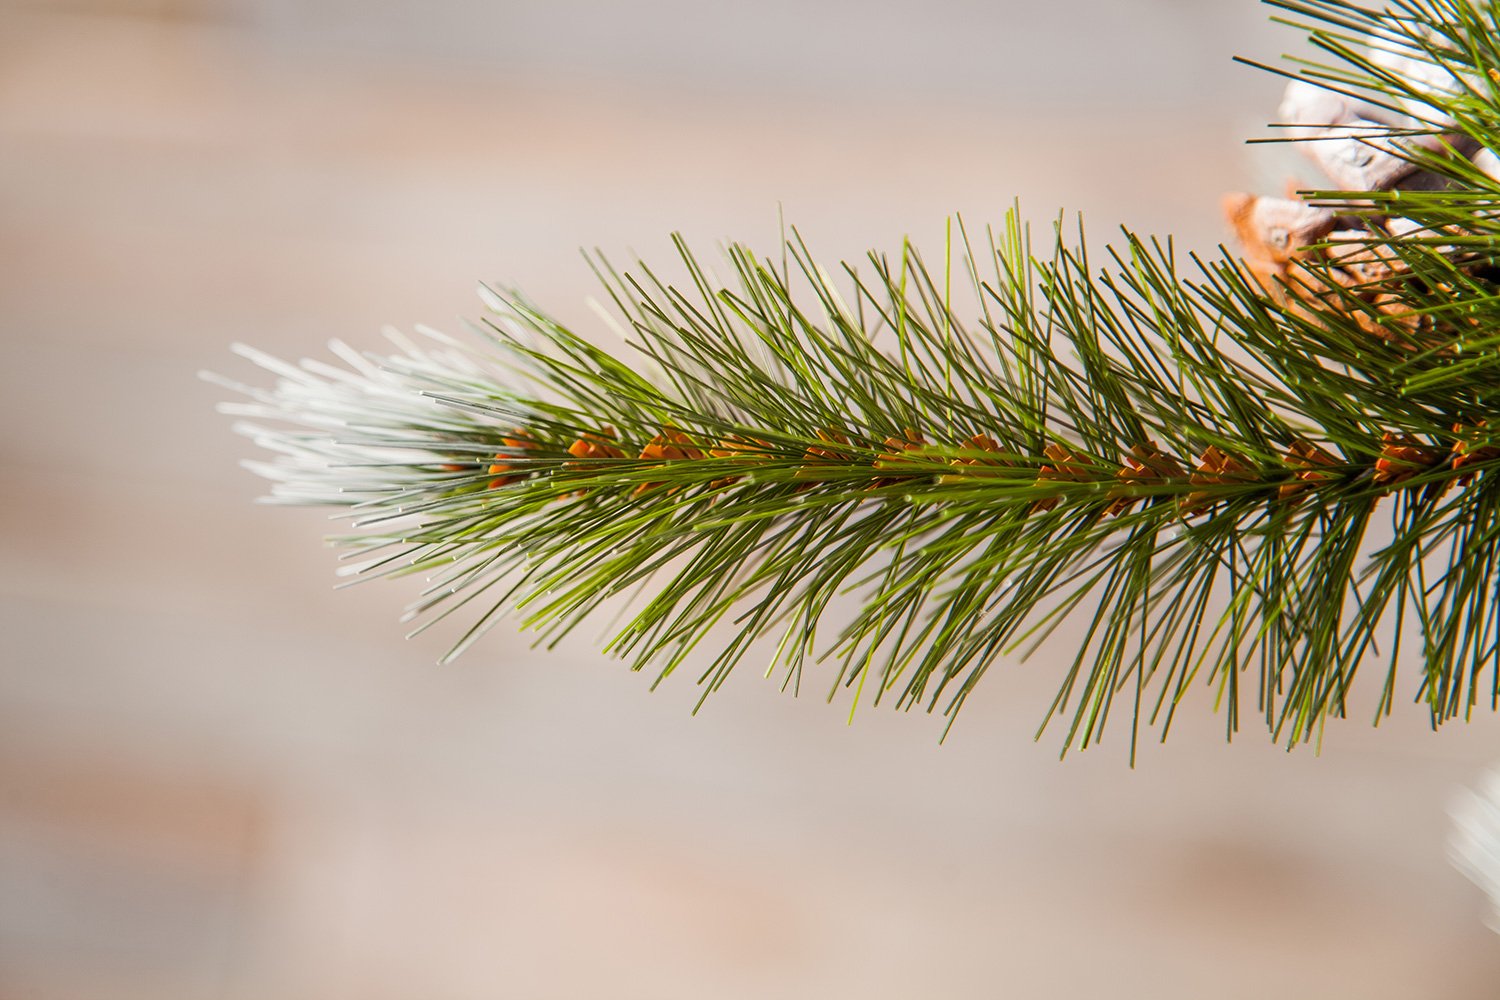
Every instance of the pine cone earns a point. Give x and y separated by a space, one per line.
1314 258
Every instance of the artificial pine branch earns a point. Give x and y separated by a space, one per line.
1185 455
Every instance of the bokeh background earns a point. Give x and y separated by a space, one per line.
218 778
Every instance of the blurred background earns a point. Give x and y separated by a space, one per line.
218 778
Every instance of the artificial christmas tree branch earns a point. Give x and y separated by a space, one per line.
1187 456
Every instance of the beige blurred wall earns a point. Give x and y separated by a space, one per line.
220 778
